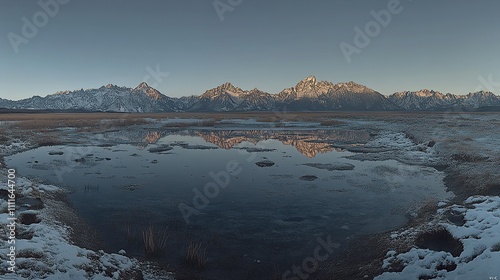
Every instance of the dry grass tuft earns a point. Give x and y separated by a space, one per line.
330 122
127 122
275 273
47 140
4 140
439 239
132 233
203 123
155 241
495 248
196 255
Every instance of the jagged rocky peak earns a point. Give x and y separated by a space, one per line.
306 84
309 79
352 87
427 92
143 85
226 88
256 91
110 86
149 91
311 87
481 93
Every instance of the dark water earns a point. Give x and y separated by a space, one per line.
252 223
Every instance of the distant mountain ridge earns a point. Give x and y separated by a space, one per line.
428 100
307 95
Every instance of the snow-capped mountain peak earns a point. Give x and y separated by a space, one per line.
224 89
149 91
306 88
142 85
111 86
434 100
310 79
352 87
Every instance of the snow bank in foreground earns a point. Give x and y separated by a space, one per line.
479 235
43 249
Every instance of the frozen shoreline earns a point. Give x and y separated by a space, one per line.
475 226
417 261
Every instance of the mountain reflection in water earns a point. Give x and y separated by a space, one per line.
308 142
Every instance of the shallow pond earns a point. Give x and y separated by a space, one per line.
284 190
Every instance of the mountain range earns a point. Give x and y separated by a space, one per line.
307 95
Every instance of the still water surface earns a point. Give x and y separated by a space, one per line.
265 217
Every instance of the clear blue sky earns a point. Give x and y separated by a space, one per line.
443 45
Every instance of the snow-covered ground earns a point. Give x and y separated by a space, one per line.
43 247
479 233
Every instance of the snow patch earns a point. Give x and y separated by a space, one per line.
479 235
